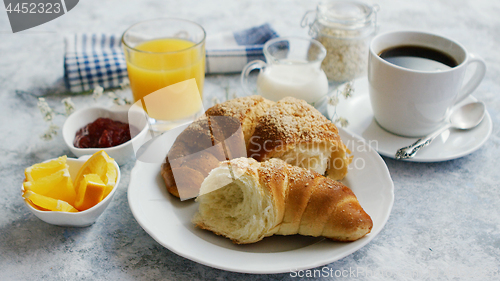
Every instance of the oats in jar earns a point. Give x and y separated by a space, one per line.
344 28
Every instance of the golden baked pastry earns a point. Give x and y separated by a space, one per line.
245 201
294 131
199 149
247 110
289 129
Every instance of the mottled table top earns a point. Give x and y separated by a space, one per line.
445 220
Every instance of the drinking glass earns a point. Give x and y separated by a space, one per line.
162 56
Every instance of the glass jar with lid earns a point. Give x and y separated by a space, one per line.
345 29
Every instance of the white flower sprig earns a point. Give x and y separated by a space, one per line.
342 121
333 100
48 115
124 84
347 91
50 132
69 106
47 112
99 91
117 99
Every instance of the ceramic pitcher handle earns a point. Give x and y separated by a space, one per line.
474 81
256 64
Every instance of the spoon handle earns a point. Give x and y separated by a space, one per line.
411 150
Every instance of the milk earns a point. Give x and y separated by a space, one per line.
295 78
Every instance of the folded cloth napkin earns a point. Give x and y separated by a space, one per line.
97 59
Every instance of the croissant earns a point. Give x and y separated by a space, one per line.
245 201
297 133
199 149
289 129
247 110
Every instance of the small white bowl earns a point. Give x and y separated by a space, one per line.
78 219
121 153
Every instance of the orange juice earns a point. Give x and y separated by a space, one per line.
175 102
158 63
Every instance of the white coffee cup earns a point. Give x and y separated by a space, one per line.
411 102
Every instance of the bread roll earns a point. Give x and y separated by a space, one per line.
294 131
247 110
289 129
245 201
199 149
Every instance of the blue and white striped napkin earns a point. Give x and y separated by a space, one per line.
97 59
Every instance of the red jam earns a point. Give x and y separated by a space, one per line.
102 133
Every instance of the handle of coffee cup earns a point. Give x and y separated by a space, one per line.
476 78
253 65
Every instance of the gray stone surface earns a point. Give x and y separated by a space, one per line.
445 220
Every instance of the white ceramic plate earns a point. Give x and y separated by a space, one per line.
168 220
449 145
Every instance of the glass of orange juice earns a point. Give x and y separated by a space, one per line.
166 52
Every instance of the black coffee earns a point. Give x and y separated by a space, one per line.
418 58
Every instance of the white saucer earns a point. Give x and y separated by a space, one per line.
451 144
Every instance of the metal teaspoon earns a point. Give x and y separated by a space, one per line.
464 118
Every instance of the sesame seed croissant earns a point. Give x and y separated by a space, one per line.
290 129
245 201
